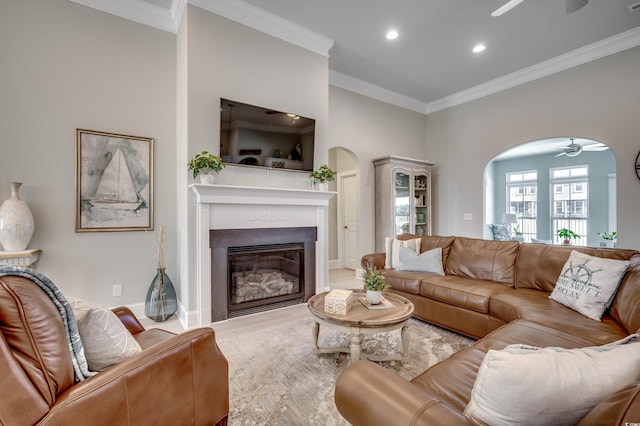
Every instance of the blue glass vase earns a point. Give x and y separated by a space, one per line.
161 301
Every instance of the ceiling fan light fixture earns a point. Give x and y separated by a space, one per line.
505 8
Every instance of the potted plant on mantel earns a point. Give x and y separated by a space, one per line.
375 284
567 235
204 165
321 177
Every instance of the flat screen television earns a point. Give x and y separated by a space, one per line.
261 137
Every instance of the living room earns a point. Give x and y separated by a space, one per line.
68 66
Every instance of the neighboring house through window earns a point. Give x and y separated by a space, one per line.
522 199
570 199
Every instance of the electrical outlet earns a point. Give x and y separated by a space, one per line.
467 216
117 290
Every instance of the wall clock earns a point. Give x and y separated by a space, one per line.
638 165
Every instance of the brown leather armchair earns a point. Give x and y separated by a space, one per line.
176 380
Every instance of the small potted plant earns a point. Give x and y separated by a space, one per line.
375 284
609 238
567 235
322 176
204 165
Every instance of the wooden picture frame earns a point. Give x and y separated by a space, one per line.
114 182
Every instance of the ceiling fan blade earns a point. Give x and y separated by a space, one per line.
575 5
561 154
506 7
595 147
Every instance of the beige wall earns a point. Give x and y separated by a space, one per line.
598 100
65 66
372 129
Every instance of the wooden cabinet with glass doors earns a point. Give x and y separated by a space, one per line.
403 197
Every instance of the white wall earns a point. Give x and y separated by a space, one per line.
372 129
65 66
598 100
223 59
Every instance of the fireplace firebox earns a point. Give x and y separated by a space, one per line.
253 270
266 274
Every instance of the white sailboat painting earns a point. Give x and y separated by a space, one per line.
116 189
114 182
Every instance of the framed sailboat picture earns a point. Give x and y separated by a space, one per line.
114 182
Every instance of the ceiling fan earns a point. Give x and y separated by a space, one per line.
572 6
574 149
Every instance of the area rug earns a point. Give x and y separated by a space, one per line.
275 379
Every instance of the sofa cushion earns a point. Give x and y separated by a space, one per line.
539 265
392 250
483 259
512 385
534 305
106 340
473 294
428 261
587 284
625 308
430 242
407 281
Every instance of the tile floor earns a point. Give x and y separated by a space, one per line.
338 278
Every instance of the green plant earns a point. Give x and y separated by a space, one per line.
567 234
608 235
323 174
516 230
204 163
374 280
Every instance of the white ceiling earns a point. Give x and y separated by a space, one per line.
430 66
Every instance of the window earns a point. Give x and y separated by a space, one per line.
570 200
522 190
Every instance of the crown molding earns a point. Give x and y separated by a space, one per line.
365 88
140 11
583 55
268 23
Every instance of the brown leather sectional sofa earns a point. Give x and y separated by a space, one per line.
497 291
175 380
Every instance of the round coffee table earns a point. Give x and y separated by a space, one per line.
361 320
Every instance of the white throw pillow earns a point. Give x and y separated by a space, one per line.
522 385
105 339
588 284
429 261
392 252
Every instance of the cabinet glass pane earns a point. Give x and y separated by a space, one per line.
420 204
401 198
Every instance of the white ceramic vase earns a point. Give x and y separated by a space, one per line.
323 186
207 179
16 221
374 296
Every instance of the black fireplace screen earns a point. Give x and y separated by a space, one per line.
265 274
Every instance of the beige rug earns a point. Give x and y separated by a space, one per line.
275 379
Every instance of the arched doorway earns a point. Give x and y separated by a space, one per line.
550 184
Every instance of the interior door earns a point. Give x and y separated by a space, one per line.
348 196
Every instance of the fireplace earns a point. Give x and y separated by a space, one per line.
232 209
253 270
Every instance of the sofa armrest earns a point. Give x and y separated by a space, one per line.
182 380
367 394
128 319
373 260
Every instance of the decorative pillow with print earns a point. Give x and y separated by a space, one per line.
392 250
501 232
588 284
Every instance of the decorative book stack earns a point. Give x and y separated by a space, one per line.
338 301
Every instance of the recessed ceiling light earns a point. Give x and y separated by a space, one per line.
392 35
479 48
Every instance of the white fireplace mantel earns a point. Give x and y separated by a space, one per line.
245 207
